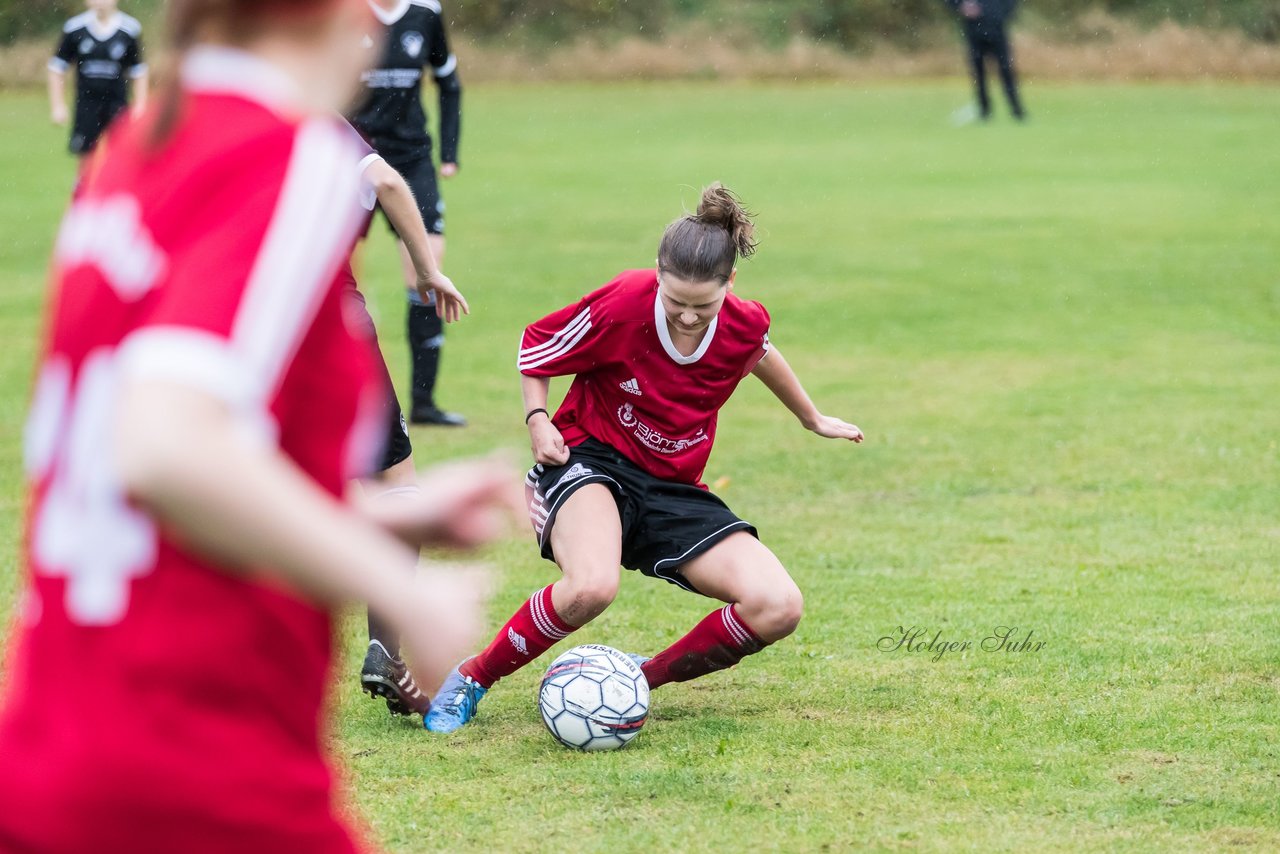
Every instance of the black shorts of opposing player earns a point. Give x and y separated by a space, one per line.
664 524
420 175
92 118
398 447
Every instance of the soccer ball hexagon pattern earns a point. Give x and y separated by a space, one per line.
594 698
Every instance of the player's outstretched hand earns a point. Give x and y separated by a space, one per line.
546 442
448 170
459 505
58 114
442 621
450 303
834 428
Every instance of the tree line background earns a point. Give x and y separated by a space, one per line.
849 24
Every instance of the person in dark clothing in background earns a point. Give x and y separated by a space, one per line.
392 119
104 48
983 23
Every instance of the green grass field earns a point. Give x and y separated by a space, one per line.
1063 343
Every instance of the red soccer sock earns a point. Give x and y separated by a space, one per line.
721 640
530 632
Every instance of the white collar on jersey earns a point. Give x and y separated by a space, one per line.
101 31
224 69
389 17
664 334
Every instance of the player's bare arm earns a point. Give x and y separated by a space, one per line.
398 203
457 505
180 455
139 88
777 375
544 438
58 97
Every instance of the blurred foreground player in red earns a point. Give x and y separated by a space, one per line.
201 403
655 354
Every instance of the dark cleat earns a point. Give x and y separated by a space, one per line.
389 678
435 416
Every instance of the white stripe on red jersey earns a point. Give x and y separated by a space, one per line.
309 235
559 344
288 278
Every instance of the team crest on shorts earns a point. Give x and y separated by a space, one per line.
575 472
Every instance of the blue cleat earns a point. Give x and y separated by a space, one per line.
638 658
455 703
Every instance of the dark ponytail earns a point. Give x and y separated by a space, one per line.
182 23
186 22
705 245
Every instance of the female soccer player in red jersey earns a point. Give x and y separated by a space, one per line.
200 405
654 355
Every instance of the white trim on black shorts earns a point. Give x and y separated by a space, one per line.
678 577
569 489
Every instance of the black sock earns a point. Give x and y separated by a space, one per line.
385 635
426 334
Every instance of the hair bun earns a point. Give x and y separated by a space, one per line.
721 207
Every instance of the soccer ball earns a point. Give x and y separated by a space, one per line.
594 698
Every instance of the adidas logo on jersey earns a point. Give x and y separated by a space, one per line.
631 386
518 641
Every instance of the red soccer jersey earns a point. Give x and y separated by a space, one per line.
155 702
633 390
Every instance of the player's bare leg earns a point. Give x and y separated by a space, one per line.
586 537
764 605
742 571
587 542
403 473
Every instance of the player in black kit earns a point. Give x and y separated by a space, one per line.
105 46
393 120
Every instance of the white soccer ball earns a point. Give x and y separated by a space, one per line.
594 698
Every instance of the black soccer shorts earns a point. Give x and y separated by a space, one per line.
91 118
420 175
664 524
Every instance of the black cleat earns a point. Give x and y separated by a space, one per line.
436 416
387 677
